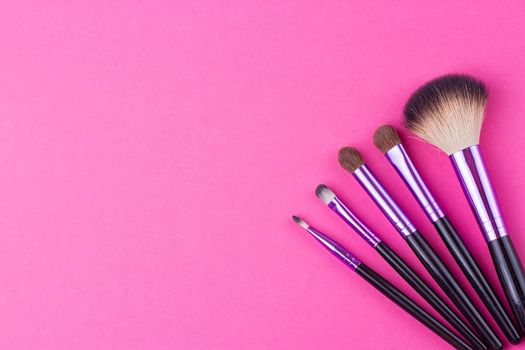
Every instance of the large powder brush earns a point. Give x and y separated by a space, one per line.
385 287
448 112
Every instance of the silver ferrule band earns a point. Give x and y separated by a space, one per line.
349 217
399 158
384 201
335 248
478 189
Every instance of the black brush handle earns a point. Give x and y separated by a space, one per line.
477 279
439 271
515 263
510 274
428 294
411 307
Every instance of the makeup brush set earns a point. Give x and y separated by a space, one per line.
447 112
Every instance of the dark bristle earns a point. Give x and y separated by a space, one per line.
319 190
448 112
386 138
430 94
296 219
350 158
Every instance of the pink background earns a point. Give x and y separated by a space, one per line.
153 152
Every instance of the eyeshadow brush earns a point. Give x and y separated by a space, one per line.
387 140
397 263
351 160
448 112
385 287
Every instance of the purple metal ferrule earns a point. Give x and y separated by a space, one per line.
335 248
399 158
478 189
346 214
384 201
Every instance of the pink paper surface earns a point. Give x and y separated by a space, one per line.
153 153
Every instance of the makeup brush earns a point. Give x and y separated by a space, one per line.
390 291
448 112
387 140
399 265
351 160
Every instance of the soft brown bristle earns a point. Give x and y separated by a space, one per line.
350 159
386 138
448 112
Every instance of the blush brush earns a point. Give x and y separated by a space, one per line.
351 160
387 140
397 263
385 287
448 112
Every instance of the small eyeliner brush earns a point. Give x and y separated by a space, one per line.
397 263
385 287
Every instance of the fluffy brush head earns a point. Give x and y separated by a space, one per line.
448 112
350 159
324 193
300 222
386 138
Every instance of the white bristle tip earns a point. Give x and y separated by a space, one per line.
324 193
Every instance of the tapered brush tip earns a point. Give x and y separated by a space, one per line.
324 193
350 159
448 112
386 138
300 222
